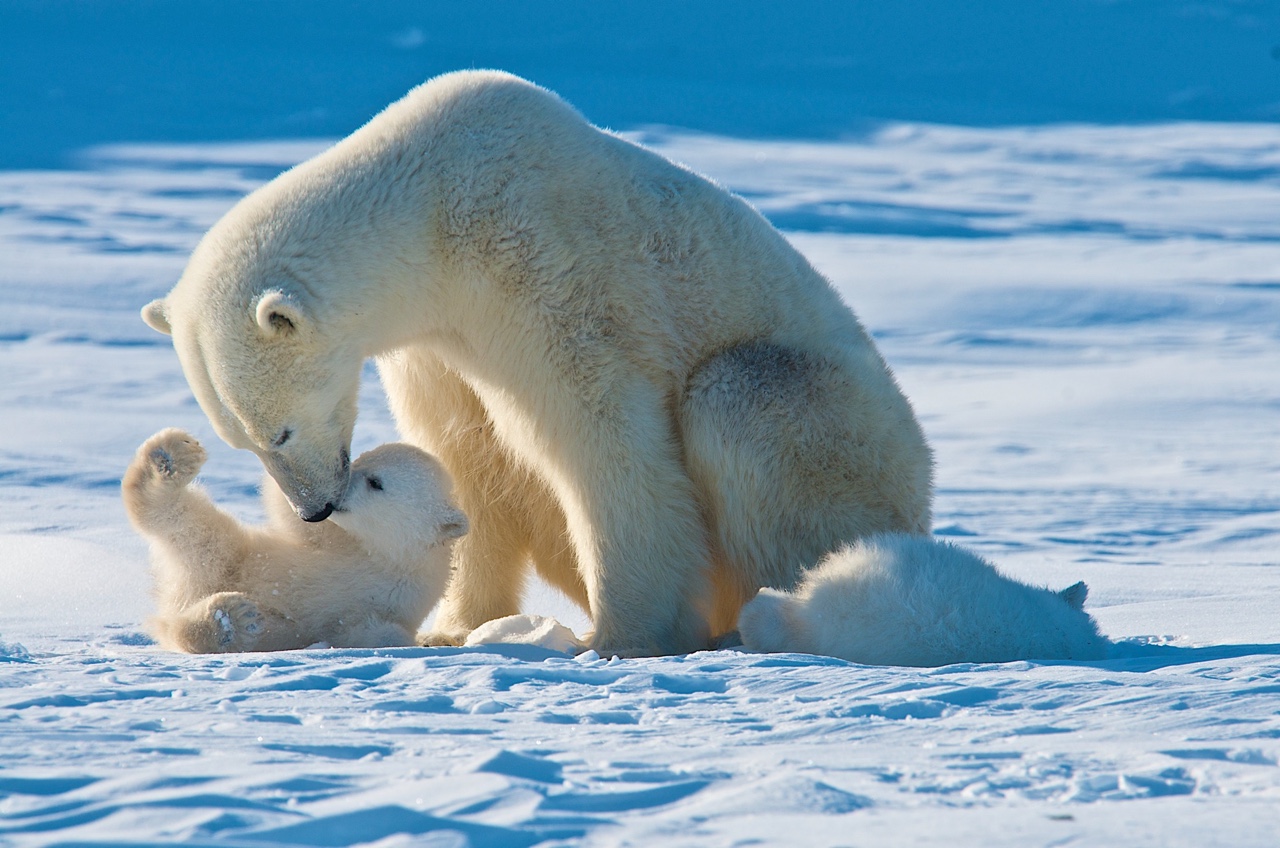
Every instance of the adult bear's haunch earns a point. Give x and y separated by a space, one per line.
640 388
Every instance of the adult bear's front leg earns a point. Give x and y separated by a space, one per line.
638 533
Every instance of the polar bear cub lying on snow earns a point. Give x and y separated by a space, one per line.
896 599
365 578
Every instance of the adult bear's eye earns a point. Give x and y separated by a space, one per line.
282 438
375 484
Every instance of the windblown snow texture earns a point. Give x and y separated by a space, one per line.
1084 315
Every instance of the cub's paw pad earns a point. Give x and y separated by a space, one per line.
175 455
237 621
161 461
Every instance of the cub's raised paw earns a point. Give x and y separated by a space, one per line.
174 456
234 622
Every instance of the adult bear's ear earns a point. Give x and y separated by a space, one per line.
153 314
280 313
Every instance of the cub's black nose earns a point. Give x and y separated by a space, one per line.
321 515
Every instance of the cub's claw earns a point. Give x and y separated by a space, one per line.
162 461
237 621
174 455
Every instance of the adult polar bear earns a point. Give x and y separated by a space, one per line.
639 387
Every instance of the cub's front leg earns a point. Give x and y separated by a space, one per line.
161 470
196 546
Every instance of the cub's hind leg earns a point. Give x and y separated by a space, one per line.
228 622
373 632
224 622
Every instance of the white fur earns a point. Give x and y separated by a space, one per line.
896 599
366 578
641 389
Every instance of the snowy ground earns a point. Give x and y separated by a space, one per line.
1086 319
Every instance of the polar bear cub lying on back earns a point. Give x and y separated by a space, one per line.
895 599
365 578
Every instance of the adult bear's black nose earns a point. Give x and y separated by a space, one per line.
321 515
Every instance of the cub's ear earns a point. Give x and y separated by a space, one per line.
280 313
454 525
1075 595
153 313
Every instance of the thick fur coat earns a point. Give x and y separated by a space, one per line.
640 388
909 600
364 579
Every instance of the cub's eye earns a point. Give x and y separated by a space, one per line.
375 484
282 438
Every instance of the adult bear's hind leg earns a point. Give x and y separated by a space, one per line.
794 453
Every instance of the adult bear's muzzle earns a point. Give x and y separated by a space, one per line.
313 493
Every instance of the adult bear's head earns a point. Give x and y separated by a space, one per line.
268 367
332 262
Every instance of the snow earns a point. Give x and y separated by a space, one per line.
527 629
1083 311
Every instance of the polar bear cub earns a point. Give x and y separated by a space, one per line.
365 578
897 599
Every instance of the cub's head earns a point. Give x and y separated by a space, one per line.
399 502
264 354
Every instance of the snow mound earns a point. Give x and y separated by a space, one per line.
536 630
13 652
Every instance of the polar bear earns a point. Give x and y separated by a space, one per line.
895 599
640 388
365 578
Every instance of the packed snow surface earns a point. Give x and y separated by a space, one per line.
1086 319
1085 311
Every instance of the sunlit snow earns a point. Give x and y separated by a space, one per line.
1086 317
